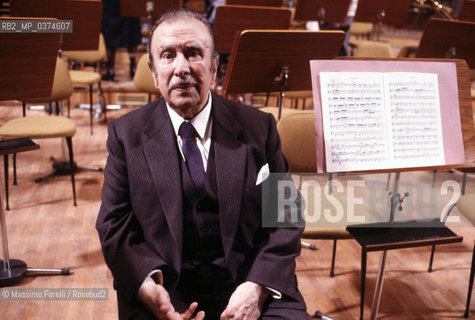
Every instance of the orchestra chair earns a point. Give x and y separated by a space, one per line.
359 31
465 205
89 78
45 127
373 49
143 79
297 133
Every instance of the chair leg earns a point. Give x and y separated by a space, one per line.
5 165
470 285
24 108
91 107
15 181
332 269
71 162
363 281
432 252
101 101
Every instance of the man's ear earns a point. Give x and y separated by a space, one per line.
154 74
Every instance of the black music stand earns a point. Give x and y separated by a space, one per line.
388 12
324 11
270 60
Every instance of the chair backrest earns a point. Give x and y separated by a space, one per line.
373 49
62 85
143 79
88 55
465 205
297 133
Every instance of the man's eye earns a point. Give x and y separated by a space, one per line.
166 56
195 53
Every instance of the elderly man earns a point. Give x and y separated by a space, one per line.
181 220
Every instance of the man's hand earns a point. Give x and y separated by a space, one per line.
246 302
157 300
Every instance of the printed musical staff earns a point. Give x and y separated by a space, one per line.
379 120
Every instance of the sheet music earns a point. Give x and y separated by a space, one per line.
415 120
376 120
354 120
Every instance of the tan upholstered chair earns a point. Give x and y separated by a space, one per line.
373 49
42 127
466 205
297 132
89 78
359 31
143 79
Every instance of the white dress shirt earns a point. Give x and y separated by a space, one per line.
202 123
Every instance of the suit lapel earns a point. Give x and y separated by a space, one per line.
162 158
230 160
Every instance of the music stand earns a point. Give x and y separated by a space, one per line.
24 74
261 3
468 11
270 60
85 14
37 71
371 239
233 19
388 12
330 11
448 39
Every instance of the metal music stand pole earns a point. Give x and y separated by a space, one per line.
282 78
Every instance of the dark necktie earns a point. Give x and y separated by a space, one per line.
193 158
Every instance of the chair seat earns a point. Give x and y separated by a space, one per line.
317 223
37 127
466 205
84 77
325 233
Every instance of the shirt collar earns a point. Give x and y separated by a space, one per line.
199 122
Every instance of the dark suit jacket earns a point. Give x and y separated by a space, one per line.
140 222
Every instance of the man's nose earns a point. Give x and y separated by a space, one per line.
182 65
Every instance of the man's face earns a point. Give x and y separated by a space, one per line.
184 72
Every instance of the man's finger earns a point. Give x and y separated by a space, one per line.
200 315
189 312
